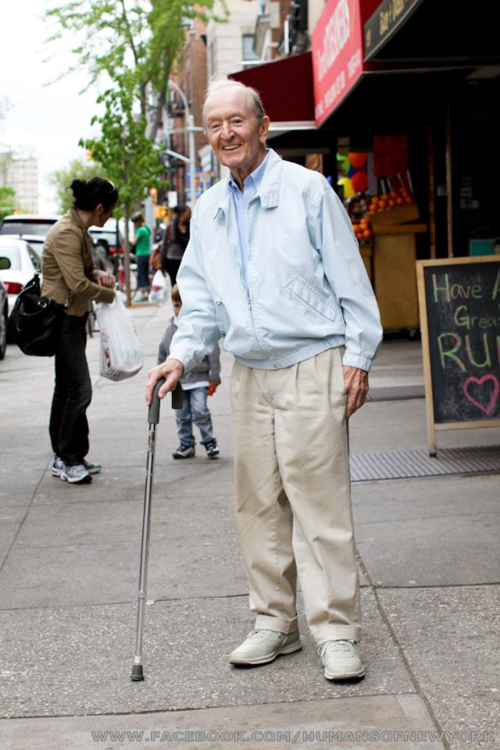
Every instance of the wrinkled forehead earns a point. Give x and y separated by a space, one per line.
228 102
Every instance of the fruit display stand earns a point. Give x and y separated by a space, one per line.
394 269
364 235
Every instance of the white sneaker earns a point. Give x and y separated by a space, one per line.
263 646
341 660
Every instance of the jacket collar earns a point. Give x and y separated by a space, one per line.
269 190
75 219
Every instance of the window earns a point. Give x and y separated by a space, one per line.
34 257
248 53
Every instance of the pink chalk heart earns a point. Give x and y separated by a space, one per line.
480 381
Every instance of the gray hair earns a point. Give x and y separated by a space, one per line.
260 112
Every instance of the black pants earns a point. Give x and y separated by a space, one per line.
69 429
142 271
172 267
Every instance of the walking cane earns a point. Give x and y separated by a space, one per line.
153 420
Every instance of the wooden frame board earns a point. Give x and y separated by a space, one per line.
432 427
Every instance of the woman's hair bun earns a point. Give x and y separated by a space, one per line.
78 187
90 194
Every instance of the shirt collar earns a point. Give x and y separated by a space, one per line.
269 189
256 176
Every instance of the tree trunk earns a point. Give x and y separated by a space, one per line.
126 257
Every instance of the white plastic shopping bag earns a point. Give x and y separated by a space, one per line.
158 291
121 351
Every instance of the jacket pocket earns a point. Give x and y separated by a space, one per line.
221 317
313 298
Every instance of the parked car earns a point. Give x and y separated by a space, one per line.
4 314
18 264
33 229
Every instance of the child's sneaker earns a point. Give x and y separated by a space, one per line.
184 451
212 450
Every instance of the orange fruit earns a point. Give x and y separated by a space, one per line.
392 203
367 233
399 201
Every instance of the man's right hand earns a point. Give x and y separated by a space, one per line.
171 370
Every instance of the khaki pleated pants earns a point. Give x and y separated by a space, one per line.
293 504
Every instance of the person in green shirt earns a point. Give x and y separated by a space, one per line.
142 245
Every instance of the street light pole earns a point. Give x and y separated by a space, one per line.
191 129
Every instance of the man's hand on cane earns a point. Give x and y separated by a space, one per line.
356 383
171 370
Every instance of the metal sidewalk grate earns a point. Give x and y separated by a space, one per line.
396 393
367 467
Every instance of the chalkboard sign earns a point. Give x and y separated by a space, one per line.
460 319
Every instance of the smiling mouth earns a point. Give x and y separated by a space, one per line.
231 148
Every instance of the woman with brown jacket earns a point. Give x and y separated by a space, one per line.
71 279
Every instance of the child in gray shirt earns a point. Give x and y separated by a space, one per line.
195 387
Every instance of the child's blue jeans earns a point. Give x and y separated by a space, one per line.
194 410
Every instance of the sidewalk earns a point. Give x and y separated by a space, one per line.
69 559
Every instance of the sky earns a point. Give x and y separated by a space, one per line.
43 121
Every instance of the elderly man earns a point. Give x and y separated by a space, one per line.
274 269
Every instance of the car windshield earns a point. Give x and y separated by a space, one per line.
39 228
13 254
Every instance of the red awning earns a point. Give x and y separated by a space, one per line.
286 88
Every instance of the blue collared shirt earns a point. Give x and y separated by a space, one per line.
241 200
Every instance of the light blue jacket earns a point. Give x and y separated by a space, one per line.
308 290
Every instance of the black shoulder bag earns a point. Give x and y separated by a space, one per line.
35 321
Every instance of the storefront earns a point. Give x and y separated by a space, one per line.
412 72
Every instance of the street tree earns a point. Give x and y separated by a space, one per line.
8 201
128 157
61 179
143 37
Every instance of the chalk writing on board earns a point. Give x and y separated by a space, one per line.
463 311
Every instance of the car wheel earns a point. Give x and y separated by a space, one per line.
3 333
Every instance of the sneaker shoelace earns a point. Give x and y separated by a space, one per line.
258 635
338 646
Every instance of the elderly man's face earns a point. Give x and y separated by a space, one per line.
234 133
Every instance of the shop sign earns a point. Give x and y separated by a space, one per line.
337 47
386 19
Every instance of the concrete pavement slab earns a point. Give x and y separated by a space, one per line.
409 535
70 540
18 484
87 553
311 724
401 425
10 519
398 363
450 637
78 660
400 500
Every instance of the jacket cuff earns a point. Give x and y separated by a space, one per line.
355 360
106 294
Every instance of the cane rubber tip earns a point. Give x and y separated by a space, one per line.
137 673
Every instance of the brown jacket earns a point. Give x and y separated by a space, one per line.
69 274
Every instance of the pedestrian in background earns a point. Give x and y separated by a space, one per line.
273 266
175 241
70 278
195 387
142 245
